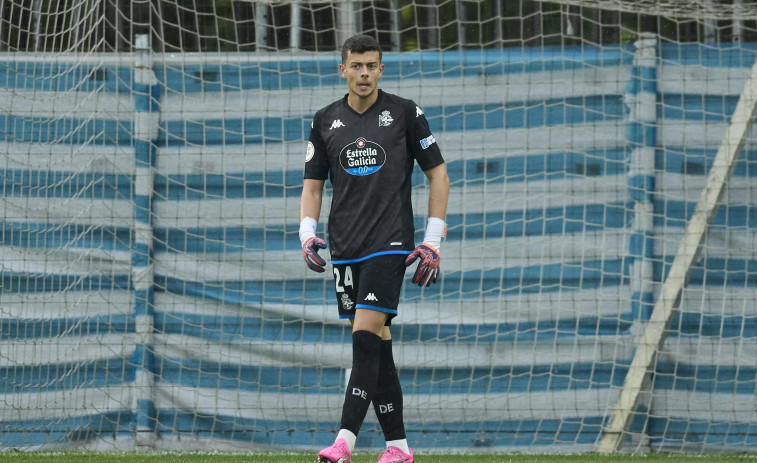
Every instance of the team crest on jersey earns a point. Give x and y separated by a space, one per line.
362 157
385 119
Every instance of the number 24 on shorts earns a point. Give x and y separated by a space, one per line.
340 284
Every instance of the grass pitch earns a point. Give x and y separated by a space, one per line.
359 457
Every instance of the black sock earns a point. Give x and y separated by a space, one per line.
366 352
387 401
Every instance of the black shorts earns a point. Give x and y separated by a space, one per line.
372 283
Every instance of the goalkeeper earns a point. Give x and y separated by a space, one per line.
367 144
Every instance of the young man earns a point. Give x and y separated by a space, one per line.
367 143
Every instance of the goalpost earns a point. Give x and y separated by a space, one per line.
689 251
687 256
598 275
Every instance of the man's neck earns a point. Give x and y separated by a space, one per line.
360 104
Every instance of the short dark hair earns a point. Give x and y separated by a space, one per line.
360 43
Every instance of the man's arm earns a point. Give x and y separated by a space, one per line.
310 201
310 211
438 191
428 251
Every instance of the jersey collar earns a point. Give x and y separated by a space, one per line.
378 100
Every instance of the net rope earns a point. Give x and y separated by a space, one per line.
680 9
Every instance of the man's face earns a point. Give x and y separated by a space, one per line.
362 71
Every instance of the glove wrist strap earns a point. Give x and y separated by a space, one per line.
435 230
307 228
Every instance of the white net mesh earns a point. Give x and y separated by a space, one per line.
153 289
694 9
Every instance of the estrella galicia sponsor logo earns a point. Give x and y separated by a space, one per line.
428 141
362 157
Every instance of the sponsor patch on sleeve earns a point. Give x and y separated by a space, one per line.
428 141
310 152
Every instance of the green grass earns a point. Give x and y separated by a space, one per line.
360 457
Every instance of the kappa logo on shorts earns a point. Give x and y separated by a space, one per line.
371 297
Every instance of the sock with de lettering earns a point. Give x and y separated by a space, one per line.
387 401
366 353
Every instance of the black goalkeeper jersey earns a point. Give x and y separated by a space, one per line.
369 159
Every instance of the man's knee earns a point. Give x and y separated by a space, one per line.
369 320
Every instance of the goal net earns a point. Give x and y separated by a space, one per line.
153 290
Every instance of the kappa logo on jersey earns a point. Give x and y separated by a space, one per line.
336 124
418 111
385 119
371 297
362 157
428 141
